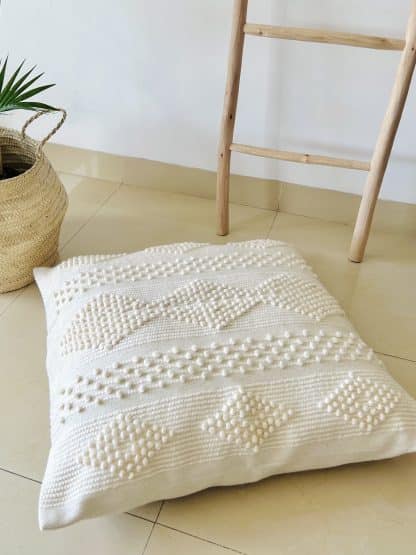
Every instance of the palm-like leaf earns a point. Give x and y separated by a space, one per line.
17 92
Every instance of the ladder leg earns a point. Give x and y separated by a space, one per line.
385 142
228 117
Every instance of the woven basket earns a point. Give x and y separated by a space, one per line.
32 207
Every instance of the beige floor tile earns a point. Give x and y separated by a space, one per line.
165 541
364 508
340 207
135 218
403 371
24 428
384 302
318 203
70 181
261 518
20 535
6 299
79 161
379 294
251 191
325 247
149 512
86 195
369 508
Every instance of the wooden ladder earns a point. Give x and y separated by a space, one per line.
376 168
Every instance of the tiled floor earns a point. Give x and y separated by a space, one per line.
362 509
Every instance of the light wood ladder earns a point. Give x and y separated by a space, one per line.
384 144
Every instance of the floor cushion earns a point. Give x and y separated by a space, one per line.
192 365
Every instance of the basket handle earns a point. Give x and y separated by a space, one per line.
49 135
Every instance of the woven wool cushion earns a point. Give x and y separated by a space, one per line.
192 365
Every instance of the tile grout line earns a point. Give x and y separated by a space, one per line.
8 305
179 531
20 475
271 225
105 179
395 356
347 224
153 527
160 510
279 196
179 193
247 204
157 523
100 206
39 483
145 518
337 222
276 212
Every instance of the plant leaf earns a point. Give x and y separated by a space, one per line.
17 90
23 84
11 80
35 106
3 72
32 92
28 84
14 89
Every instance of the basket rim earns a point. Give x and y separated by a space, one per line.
39 158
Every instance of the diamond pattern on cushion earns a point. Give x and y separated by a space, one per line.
209 305
109 318
104 322
247 420
158 269
124 447
363 402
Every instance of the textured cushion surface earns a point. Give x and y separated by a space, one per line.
191 365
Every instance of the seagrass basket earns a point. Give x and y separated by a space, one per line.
32 207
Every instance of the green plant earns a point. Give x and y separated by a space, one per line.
17 92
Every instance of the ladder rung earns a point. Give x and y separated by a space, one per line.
300 158
328 37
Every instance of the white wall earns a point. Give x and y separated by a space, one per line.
146 78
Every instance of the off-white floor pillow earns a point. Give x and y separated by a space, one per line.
192 365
